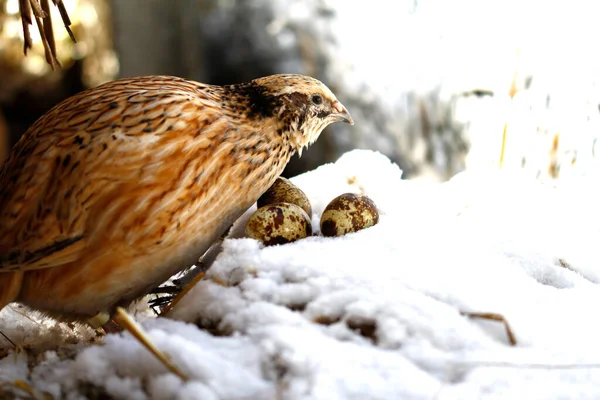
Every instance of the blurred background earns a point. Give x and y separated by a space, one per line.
438 86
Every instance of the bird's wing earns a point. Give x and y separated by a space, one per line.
84 154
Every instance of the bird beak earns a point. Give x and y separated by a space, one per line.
341 114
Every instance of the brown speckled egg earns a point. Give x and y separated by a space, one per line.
347 213
278 223
284 191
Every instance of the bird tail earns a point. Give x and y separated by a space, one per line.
10 286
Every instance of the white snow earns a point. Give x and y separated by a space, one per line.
371 315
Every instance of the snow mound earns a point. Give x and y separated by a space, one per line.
376 314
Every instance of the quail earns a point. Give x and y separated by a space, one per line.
119 187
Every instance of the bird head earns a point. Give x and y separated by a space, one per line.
302 106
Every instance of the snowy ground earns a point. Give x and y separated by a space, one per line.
372 315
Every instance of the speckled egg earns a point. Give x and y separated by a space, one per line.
284 191
278 223
347 213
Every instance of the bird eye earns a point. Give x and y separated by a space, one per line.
316 99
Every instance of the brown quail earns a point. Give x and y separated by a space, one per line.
121 186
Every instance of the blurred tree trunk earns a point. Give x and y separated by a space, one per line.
158 36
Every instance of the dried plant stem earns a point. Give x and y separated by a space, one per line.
180 295
128 323
494 317
40 11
